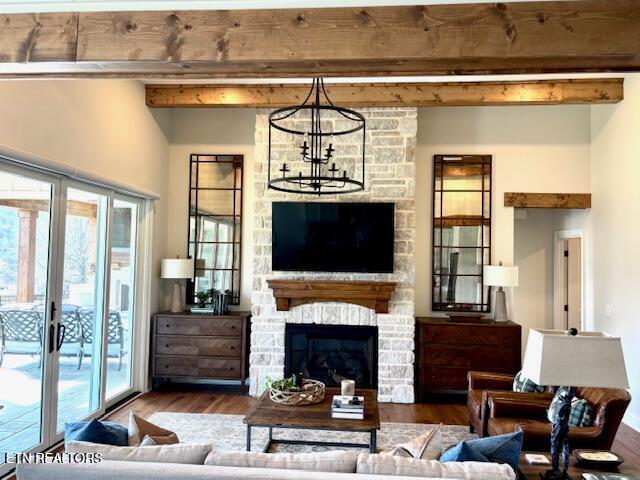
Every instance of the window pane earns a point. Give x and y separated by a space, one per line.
212 202
215 175
121 297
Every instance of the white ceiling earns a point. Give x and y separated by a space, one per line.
22 6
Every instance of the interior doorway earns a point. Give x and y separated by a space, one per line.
569 280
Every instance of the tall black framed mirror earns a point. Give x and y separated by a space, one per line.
461 225
215 222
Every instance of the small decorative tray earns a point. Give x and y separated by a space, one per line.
466 317
597 458
311 391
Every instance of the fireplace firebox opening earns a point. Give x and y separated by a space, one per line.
331 353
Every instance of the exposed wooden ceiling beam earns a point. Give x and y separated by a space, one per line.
547 200
79 209
487 38
396 94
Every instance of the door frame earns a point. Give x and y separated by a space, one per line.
559 276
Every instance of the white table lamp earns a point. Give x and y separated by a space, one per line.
177 269
569 359
500 276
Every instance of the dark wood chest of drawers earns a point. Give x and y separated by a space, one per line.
187 347
447 350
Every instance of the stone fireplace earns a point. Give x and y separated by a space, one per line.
390 177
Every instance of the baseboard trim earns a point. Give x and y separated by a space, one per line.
632 421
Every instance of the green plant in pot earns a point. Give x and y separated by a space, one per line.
202 297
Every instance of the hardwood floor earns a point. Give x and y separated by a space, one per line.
450 412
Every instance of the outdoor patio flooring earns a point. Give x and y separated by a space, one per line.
20 387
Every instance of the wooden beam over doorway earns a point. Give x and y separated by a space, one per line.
547 200
545 92
455 39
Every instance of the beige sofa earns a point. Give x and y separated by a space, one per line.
188 461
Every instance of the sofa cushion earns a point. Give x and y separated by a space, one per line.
109 470
139 428
463 452
523 384
427 446
188 453
500 449
147 441
107 433
581 412
376 464
332 461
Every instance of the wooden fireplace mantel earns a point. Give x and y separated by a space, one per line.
374 295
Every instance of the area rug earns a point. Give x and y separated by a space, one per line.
227 432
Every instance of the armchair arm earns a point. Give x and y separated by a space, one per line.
517 405
489 381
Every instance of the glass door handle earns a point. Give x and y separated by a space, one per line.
60 337
51 340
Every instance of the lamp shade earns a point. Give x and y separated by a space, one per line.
500 276
589 359
177 268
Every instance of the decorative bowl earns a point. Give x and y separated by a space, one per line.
311 391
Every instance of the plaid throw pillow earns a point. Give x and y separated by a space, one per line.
523 384
581 412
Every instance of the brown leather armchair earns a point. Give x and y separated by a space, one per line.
482 386
508 412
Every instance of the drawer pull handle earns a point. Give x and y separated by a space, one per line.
231 347
166 346
166 366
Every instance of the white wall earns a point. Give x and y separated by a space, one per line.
211 131
534 255
614 227
101 126
535 149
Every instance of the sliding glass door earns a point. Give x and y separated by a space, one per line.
82 305
68 272
27 213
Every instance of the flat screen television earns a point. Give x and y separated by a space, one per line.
333 237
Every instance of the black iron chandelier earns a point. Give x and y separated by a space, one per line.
319 129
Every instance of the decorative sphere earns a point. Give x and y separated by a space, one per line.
573 331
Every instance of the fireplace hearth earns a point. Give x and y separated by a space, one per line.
331 353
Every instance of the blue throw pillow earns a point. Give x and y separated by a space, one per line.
107 433
501 448
463 452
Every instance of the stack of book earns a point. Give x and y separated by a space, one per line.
347 407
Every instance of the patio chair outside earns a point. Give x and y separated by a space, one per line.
20 325
115 333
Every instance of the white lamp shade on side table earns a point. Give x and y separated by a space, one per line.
500 276
177 268
589 359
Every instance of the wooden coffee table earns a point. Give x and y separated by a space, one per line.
314 417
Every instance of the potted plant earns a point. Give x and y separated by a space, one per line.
202 297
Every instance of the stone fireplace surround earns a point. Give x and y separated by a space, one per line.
390 167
